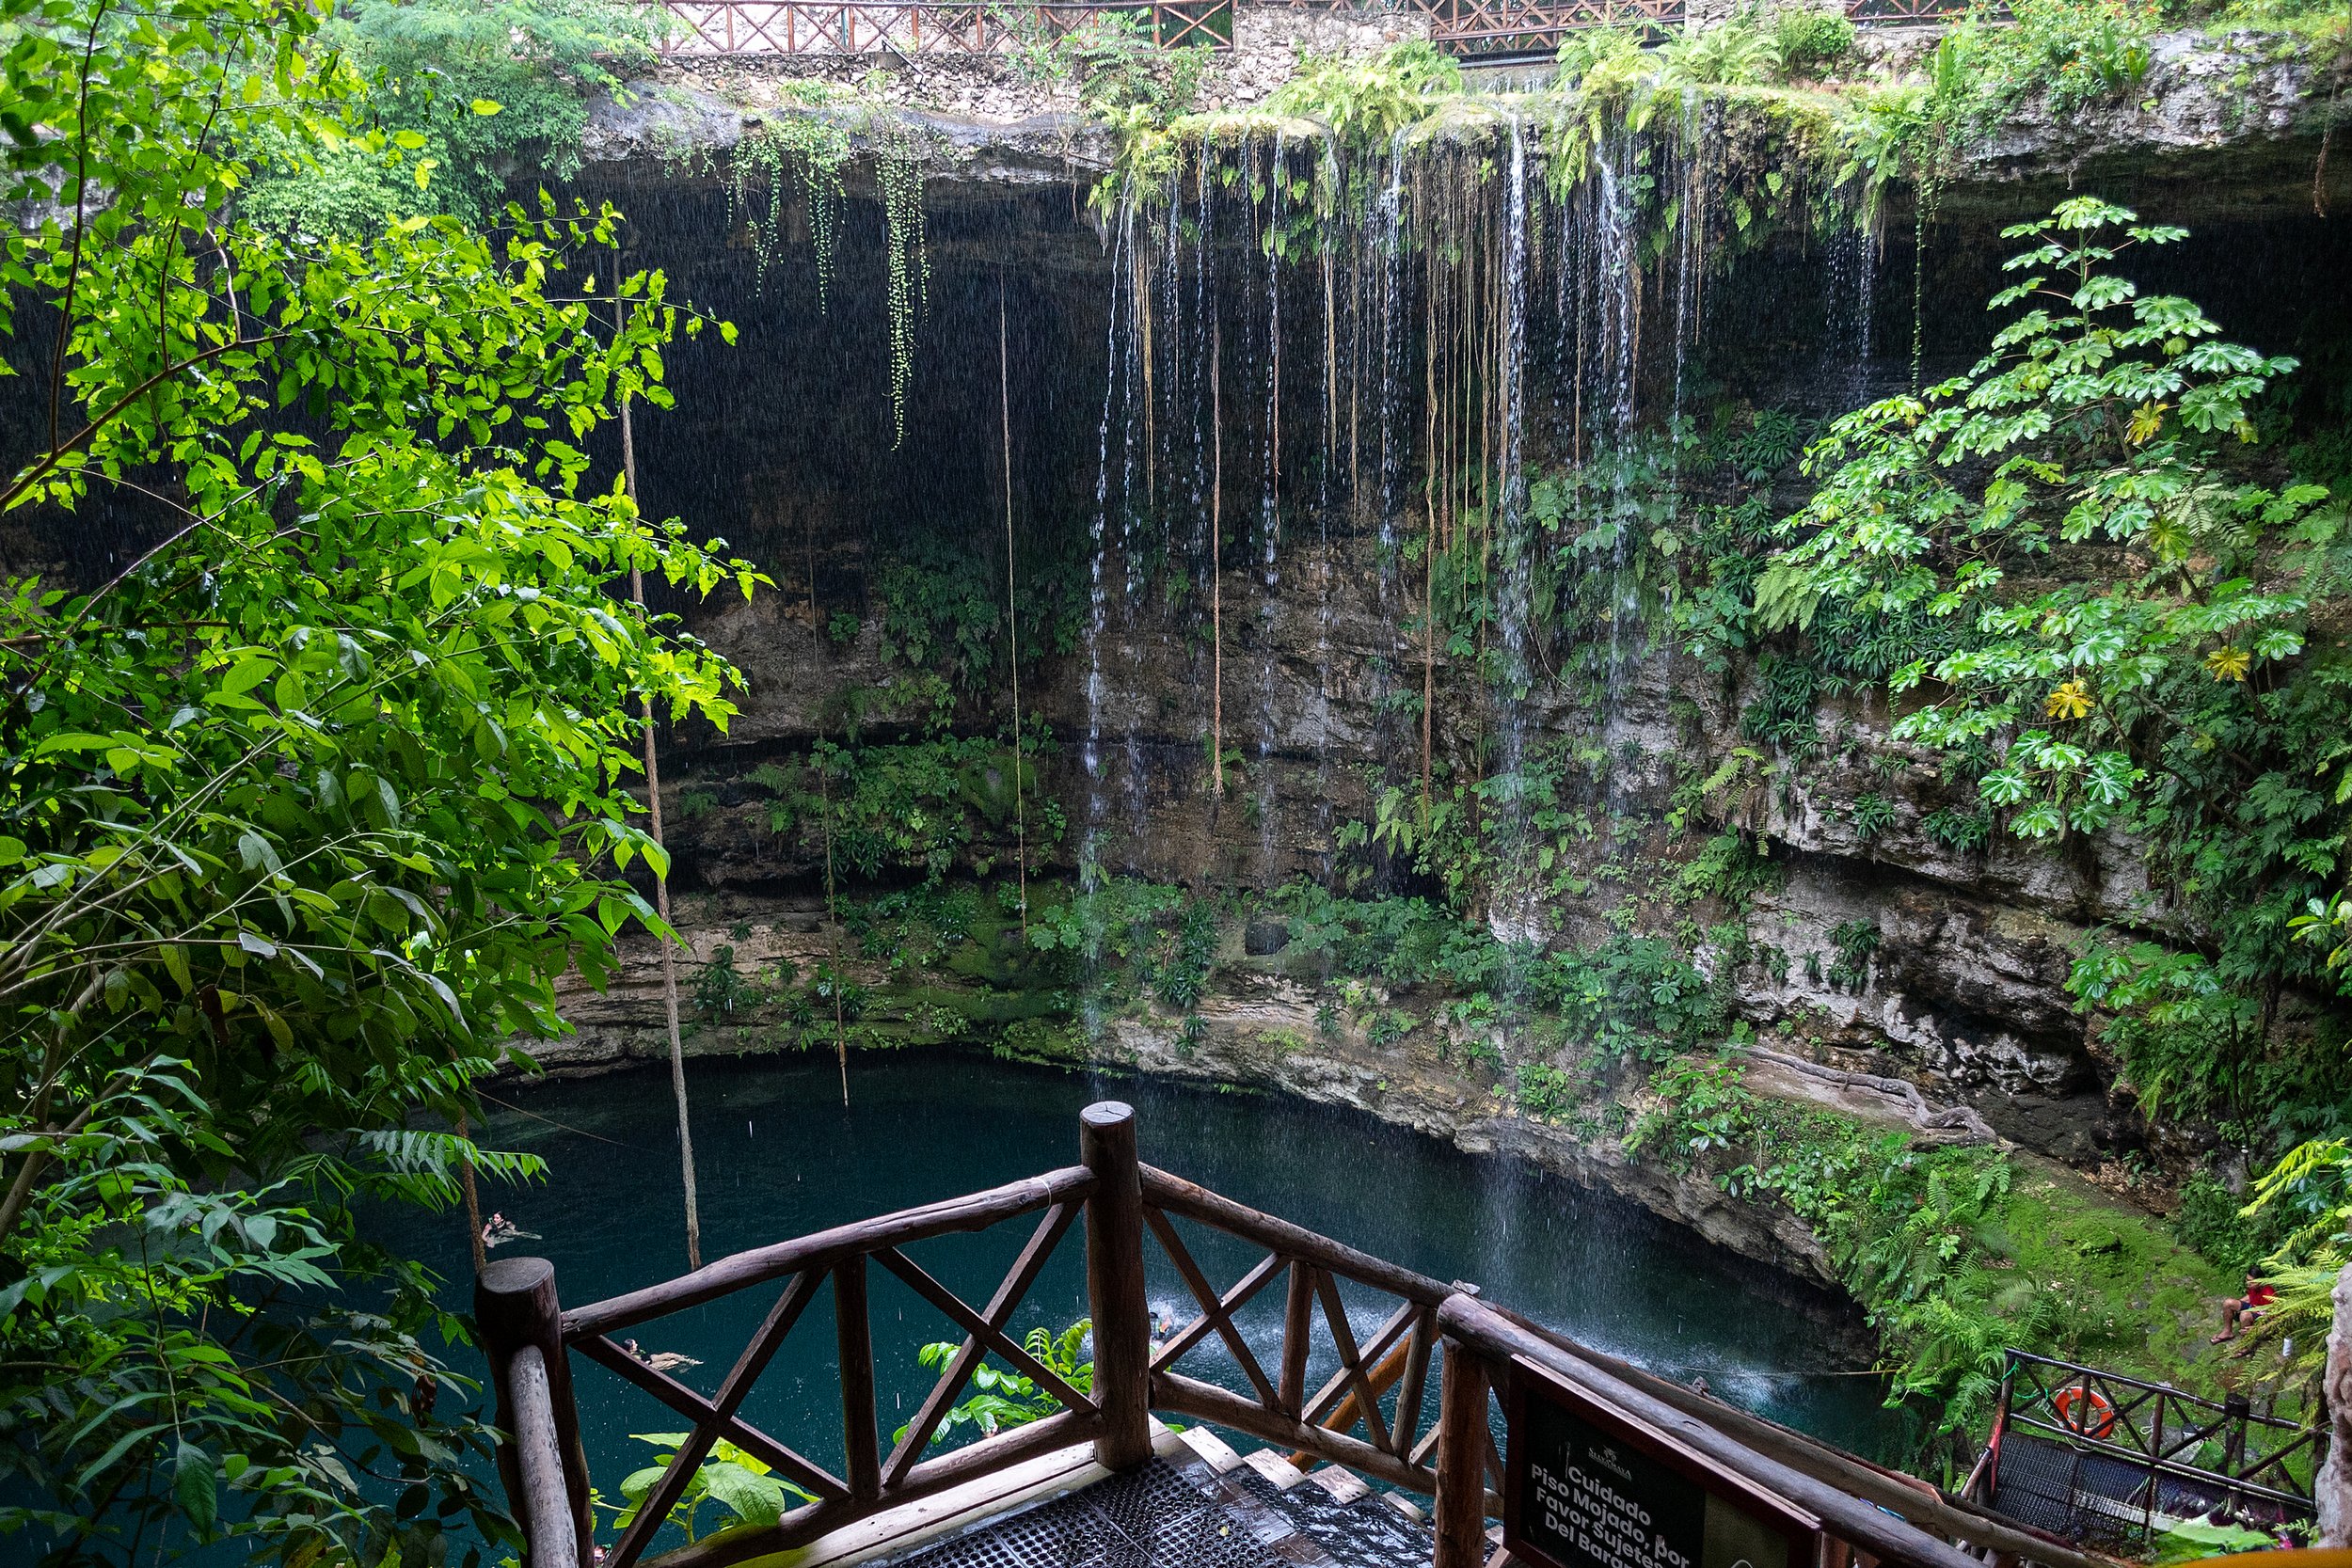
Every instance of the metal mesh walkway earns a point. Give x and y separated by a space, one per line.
1185 1515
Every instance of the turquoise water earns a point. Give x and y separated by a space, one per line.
780 1157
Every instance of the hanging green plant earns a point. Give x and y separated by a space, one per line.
818 147
899 169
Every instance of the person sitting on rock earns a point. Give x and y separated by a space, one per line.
2239 1312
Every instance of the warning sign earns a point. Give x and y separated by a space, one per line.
1586 1486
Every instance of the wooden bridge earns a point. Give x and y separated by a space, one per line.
913 28
1835 1510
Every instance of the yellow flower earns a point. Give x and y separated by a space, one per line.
2069 701
2229 664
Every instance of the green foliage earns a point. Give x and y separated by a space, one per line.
1731 866
1549 1093
1366 103
1631 997
1733 53
2195 1540
2211 1218
1809 43
722 991
937 615
2177 684
2070 53
924 806
1854 941
1113 61
1141 939
1964 831
2308 1193
1004 1399
742 1485
900 165
1408 942
2058 57
1591 58
306 809
818 146
467 90
1871 813
1954 1254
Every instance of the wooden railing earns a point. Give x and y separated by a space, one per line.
530 1341
923 27
933 27
1280 1409
927 27
1472 27
1907 10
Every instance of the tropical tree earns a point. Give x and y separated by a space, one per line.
2119 619
306 808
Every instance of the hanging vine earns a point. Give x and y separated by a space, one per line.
899 167
818 149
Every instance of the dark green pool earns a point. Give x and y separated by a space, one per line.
779 1157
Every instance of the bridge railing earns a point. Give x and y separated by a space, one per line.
911 28
1366 1415
923 27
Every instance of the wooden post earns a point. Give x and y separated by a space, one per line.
1462 1461
1122 1319
1297 1324
853 1334
515 1308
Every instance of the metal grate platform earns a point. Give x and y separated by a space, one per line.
1158 1517
2089 1496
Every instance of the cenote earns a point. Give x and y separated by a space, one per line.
1528 661
781 1157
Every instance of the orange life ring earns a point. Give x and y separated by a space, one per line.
2084 1411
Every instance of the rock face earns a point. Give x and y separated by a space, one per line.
1962 989
1258 1025
1873 955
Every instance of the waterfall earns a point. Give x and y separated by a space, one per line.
1850 280
1334 194
1617 298
1388 240
1515 916
1089 844
1269 506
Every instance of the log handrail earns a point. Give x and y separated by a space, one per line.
1320 1425
837 1260
1189 1198
983 27
1861 1524
1907 1494
528 1338
921 26
2139 1435
518 1317
863 1238
554 1543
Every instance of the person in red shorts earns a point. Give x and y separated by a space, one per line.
2238 1311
